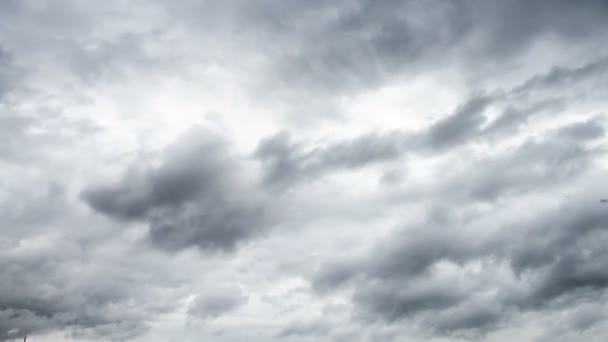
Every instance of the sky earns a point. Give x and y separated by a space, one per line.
362 170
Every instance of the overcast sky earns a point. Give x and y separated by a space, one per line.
358 170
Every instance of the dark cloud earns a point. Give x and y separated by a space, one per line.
197 197
419 249
508 27
463 124
288 162
393 301
54 287
587 130
336 273
217 302
570 273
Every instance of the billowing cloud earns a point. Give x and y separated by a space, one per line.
198 197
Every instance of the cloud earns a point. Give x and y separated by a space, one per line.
309 328
460 125
337 48
484 118
457 199
214 303
10 74
564 76
198 197
525 168
403 277
45 288
288 163
587 130
436 273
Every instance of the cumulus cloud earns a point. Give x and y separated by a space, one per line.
197 197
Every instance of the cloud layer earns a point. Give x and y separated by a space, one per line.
303 171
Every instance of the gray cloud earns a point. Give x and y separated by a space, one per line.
587 130
289 162
68 38
528 167
10 74
496 218
564 76
554 258
461 125
48 289
471 321
65 272
546 259
197 197
393 301
349 46
217 302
